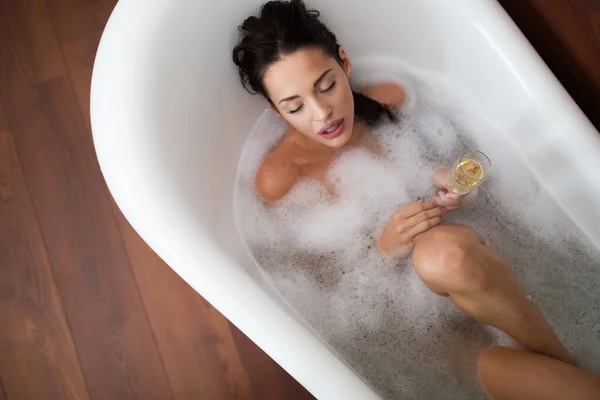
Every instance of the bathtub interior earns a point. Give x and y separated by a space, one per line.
207 114
184 118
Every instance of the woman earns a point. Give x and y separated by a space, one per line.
289 57
295 62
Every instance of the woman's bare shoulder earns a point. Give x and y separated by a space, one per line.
277 173
388 93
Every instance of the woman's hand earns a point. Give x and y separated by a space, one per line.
444 198
406 226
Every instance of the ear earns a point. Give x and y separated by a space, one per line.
346 63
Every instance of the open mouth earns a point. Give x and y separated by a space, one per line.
333 129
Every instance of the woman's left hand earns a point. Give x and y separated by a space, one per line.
444 198
449 201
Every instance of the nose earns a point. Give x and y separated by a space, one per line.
322 111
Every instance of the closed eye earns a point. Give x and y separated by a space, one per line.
329 88
296 110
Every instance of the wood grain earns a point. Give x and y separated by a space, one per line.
564 43
35 341
107 319
199 351
87 310
563 18
588 12
3 117
35 43
77 18
12 75
271 383
79 55
195 341
2 392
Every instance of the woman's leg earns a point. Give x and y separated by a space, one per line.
511 374
454 260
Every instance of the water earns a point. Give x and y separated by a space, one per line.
375 312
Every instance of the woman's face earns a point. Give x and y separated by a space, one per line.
310 90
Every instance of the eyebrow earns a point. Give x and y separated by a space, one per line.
319 79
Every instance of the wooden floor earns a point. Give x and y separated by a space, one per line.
87 311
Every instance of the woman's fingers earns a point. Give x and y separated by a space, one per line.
439 177
423 216
446 199
454 197
406 223
412 209
442 201
422 227
451 208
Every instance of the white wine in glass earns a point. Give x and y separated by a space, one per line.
468 172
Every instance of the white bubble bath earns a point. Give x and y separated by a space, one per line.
320 252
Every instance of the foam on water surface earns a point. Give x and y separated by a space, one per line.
375 312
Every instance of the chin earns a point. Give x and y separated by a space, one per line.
342 139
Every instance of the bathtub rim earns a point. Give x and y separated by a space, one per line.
243 314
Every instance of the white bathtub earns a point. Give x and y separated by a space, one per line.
170 117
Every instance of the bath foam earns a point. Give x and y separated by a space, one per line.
320 252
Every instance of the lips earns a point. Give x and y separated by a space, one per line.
332 129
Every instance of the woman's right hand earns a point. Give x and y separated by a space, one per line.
406 226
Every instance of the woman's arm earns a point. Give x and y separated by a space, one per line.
275 178
389 94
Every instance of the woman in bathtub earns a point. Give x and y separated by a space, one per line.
289 57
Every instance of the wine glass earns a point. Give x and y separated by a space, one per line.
468 172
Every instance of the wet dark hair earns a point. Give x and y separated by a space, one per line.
282 28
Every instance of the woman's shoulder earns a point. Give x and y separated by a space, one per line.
388 93
277 174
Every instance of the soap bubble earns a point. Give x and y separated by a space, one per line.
320 251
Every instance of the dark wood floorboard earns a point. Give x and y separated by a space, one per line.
268 382
184 324
195 341
107 318
79 56
3 117
12 76
78 18
37 356
2 392
588 13
87 309
33 36
564 33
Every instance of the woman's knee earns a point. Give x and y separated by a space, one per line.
449 257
